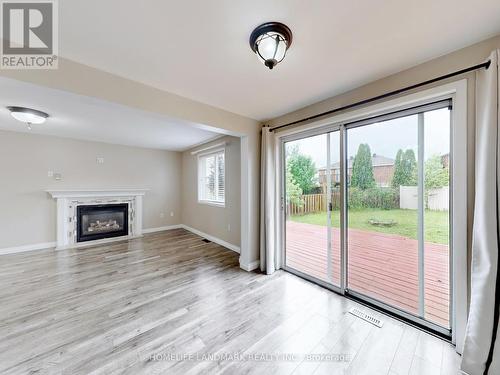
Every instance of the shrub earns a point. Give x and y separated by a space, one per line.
386 198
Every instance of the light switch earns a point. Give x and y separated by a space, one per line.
100 160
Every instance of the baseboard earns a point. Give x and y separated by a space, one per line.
212 238
250 266
48 245
24 248
161 229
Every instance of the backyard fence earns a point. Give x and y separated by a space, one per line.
310 203
436 199
383 198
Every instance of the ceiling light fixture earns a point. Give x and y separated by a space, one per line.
28 115
270 41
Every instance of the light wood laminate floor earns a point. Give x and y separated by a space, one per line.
138 307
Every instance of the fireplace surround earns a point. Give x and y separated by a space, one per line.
71 203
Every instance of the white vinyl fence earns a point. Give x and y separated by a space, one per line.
437 199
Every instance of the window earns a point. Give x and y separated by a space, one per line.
211 178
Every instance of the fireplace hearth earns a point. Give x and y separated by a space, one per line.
99 221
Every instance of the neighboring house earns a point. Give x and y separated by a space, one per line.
383 170
445 160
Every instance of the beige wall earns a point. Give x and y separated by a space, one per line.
210 219
28 214
84 80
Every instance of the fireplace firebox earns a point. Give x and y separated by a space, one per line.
95 222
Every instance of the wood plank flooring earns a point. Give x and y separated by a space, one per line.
170 303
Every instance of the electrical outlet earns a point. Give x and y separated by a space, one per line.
172 213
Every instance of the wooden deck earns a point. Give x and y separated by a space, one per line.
382 266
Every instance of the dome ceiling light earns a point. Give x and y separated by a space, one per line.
27 115
270 41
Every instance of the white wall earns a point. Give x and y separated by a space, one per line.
210 219
28 214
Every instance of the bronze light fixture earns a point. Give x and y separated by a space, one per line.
270 41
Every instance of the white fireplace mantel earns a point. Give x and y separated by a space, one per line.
94 193
69 200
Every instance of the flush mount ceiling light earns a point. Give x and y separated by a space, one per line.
270 41
28 115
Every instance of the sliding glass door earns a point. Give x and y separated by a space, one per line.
312 189
367 211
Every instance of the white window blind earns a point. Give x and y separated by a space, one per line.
211 177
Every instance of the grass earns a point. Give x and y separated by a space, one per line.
436 222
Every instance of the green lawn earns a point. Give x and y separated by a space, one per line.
436 222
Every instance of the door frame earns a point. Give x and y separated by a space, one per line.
282 217
457 92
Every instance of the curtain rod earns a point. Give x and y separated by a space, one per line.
484 65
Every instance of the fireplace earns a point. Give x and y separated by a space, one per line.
95 222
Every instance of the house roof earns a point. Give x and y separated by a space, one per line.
377 161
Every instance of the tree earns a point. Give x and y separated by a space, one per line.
410 163
410 168
398 170
435 174
302 170
405 169
362 168
293 191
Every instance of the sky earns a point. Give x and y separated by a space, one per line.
385 138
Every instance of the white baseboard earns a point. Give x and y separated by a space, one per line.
161 229
250 266
212 238
24 248
47 245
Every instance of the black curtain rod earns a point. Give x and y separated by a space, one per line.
485 65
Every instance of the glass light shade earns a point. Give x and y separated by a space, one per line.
270 41
271 48
27 115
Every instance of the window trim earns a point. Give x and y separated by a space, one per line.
209 202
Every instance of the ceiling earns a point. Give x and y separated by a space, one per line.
199 49
81 117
